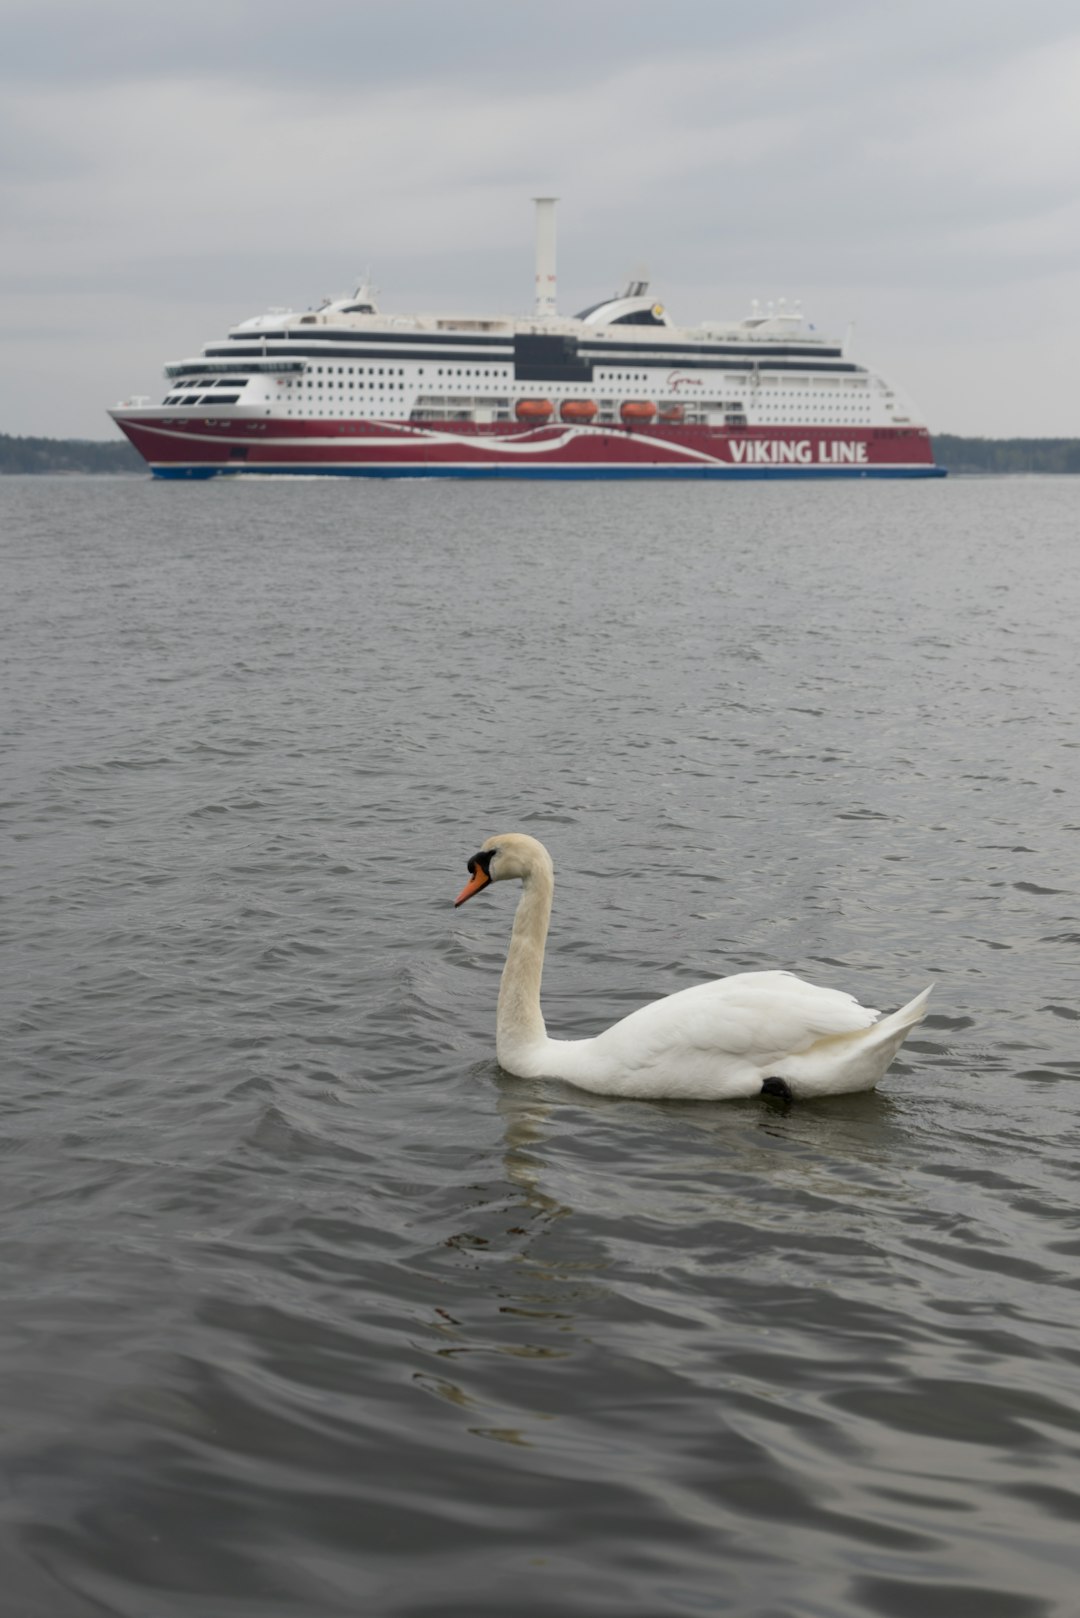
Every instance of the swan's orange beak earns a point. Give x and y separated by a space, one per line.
478 880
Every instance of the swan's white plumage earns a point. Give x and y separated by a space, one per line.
715 1041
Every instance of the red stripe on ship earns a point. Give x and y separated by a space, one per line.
292 443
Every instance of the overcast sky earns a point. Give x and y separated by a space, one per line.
166 171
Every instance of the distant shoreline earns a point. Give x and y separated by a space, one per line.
960 454
23 455
956 453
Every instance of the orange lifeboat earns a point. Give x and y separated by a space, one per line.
535 410
637 410
578 409
672 413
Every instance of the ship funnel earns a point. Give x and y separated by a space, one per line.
545 255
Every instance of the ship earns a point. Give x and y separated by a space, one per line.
618 390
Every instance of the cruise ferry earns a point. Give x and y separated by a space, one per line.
617 390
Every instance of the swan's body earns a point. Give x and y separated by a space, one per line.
733 1037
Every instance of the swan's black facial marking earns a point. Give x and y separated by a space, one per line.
479 873
776 1087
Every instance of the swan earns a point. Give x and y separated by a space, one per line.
750 1034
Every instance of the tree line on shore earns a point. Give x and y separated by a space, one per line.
1006 454
67 455
950 450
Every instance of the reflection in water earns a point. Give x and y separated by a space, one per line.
523 1116
526 1286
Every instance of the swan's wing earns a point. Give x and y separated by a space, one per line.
725 1034
783 1012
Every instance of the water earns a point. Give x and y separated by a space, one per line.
308 1309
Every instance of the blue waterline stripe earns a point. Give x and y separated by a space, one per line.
730 474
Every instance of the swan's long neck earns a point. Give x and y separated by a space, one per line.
519 1022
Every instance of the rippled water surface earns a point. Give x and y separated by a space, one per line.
308 1309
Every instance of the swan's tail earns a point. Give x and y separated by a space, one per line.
842 1063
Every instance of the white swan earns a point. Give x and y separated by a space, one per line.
737 1036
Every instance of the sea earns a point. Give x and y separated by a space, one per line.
307 1309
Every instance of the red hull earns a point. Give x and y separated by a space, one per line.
178 446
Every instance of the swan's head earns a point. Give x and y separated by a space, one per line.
513 854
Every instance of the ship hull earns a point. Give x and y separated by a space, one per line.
186 448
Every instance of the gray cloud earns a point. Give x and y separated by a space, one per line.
370 43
